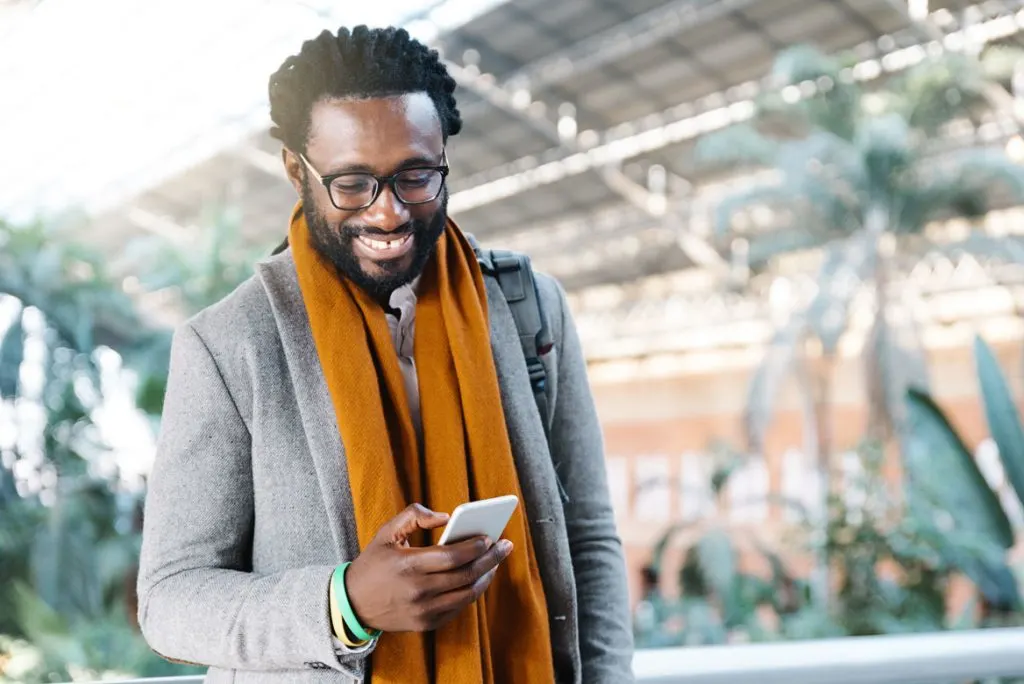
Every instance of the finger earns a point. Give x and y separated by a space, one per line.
467 575
415 517
432 559
456 600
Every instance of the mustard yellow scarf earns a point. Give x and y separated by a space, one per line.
465 456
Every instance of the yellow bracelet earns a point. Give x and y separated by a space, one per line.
338 623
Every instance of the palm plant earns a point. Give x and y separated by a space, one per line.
62 306
67 540
861 176
63 547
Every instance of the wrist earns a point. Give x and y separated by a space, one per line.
338 627
350 621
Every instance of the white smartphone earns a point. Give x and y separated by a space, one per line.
485 518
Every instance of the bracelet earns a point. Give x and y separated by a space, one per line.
338 623
349 615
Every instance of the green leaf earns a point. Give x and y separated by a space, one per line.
942 89
942 463
45 270
12 353
717 563
966 183
784 596
885 146
64 558
802 62
834 106
738 144
1001 413
692 583
828 175
944 477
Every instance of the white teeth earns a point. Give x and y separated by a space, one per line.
384 245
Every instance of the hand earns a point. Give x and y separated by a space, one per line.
394 587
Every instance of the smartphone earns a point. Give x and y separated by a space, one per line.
485 518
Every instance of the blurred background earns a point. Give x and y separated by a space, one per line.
791 232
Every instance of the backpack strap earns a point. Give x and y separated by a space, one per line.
514 274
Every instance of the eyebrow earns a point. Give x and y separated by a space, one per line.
410 163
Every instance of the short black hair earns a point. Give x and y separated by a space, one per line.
363 63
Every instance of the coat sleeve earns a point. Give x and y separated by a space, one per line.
199 601
605 624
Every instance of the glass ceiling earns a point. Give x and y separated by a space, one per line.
107 98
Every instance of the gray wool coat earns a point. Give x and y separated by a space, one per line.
249 511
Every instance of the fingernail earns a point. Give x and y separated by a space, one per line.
505 546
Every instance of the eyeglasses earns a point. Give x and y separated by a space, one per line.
355 191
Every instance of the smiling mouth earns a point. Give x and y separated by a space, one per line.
385 246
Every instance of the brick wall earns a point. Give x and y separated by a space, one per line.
658 430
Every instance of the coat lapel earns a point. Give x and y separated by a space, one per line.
537 479
314 401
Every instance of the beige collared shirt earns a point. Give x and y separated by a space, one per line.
403 333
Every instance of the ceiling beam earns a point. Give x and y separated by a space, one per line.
611 244
997 96
688 121
653 202
663 318
617 43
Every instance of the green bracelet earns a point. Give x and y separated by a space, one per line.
347 614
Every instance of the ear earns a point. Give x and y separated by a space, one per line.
293 168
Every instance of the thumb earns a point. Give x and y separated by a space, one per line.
415 517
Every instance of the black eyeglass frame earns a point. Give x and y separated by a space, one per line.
381 181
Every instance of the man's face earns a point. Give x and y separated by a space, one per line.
387 244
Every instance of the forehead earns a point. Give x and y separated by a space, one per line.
380 132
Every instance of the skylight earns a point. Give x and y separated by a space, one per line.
102 100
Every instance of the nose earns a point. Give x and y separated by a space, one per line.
387 213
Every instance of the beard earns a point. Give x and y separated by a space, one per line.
334 243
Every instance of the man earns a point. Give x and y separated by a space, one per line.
321 421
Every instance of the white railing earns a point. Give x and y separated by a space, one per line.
906 659
943 658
